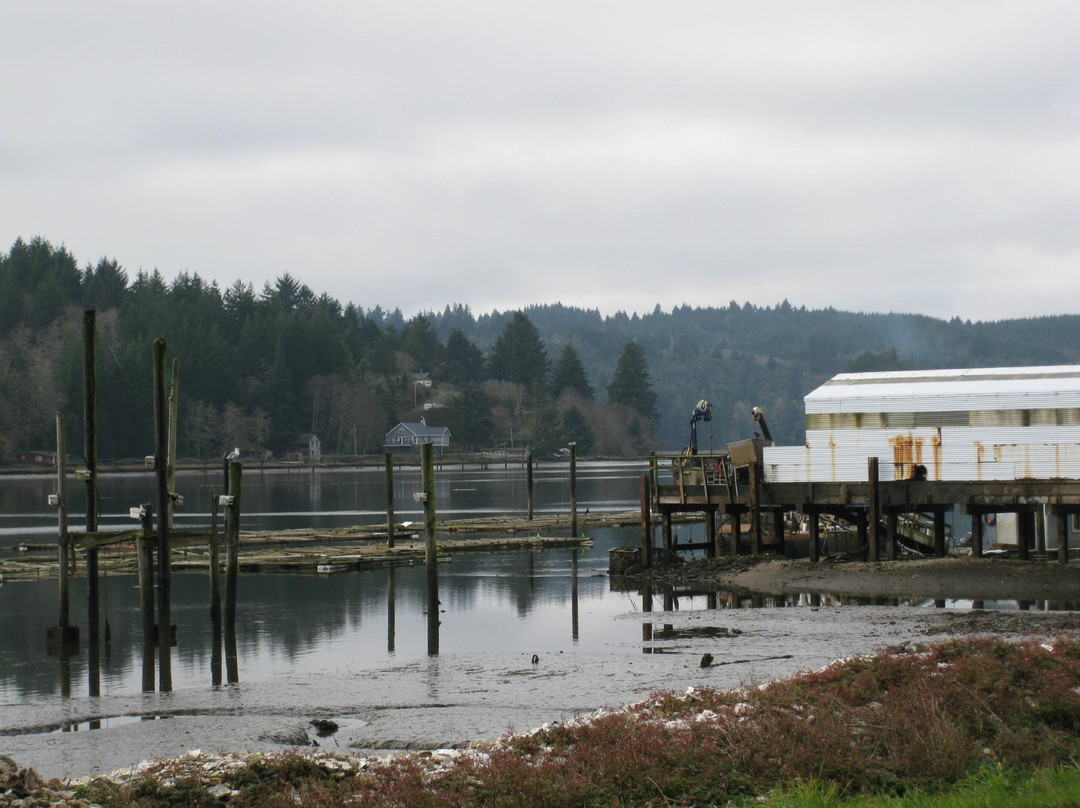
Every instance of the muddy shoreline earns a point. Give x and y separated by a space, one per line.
454 698
936 578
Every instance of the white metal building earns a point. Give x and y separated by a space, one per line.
961 425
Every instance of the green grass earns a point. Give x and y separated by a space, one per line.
993 788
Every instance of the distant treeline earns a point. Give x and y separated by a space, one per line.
258 368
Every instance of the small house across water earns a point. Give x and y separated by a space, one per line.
407 437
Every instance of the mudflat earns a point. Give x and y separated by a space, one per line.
939 578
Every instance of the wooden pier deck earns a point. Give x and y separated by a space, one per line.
711 486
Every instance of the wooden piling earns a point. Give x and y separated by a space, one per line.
173 416
1025 533
815 536
62 518
892 519
1061 517
529 480
646 522
939 533
873 509
389 499
391 611
144 546
215 590
164 561
573 489
574 630
755 510
90 455
63 638
427 452
232 567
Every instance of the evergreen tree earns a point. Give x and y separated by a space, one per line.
464 361
576 427
569 373
469 419
631 384
518 355
420 341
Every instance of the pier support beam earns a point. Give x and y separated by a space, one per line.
646 523
873 509
939 534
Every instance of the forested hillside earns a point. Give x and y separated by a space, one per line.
260 367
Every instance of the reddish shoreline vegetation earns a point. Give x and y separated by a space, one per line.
909 718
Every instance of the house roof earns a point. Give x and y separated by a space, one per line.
1052 386
421 430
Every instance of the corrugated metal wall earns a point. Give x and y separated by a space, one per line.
985 424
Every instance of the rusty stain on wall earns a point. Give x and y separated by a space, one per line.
907 453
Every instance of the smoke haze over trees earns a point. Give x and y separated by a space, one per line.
260 367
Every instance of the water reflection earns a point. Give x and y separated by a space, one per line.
676 598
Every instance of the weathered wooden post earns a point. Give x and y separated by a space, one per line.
62 638
573 489
1025 533
215 590
710 532
170 463
646 522
1061 517
427 452
164 561
873 508
529 480
815 535
755 510
90 473
389 499
574 631
939 533
144 545
891 519
232 566
391 611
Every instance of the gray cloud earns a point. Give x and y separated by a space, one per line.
866 155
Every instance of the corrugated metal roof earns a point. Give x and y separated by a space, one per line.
1052 387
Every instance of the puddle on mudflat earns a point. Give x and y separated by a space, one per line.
108 722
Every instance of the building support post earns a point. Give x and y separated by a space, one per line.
646 522
755 511
873 509
939 533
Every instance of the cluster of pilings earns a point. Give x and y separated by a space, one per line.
154 538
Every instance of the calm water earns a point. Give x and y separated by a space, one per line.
303 624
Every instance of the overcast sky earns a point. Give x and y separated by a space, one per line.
872 156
